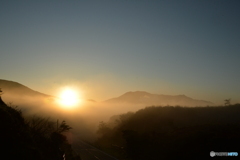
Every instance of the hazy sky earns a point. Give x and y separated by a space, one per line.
109 47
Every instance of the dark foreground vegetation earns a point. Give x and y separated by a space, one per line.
33 139
172 133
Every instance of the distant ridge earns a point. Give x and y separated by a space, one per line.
91 100
145 98
16 92
11 87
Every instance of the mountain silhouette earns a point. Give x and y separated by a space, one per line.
145 98
20 94
11 87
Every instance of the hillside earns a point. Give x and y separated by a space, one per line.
11 87
36 138
171 133
16 92
148 99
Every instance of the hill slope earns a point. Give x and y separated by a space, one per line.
172 133
18 93
11 87
35 138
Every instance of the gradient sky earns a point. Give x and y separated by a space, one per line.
109 47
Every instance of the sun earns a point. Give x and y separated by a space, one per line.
69 98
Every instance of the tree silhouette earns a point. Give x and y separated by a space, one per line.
103 128
227 102
63 127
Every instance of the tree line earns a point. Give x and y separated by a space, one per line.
171 132
34 137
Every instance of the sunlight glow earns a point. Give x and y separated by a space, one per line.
69 98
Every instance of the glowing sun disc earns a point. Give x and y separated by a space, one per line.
69 98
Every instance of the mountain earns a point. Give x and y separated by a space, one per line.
145 98
18 93
11 87
91 100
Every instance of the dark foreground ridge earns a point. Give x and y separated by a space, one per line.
36 139
157 133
